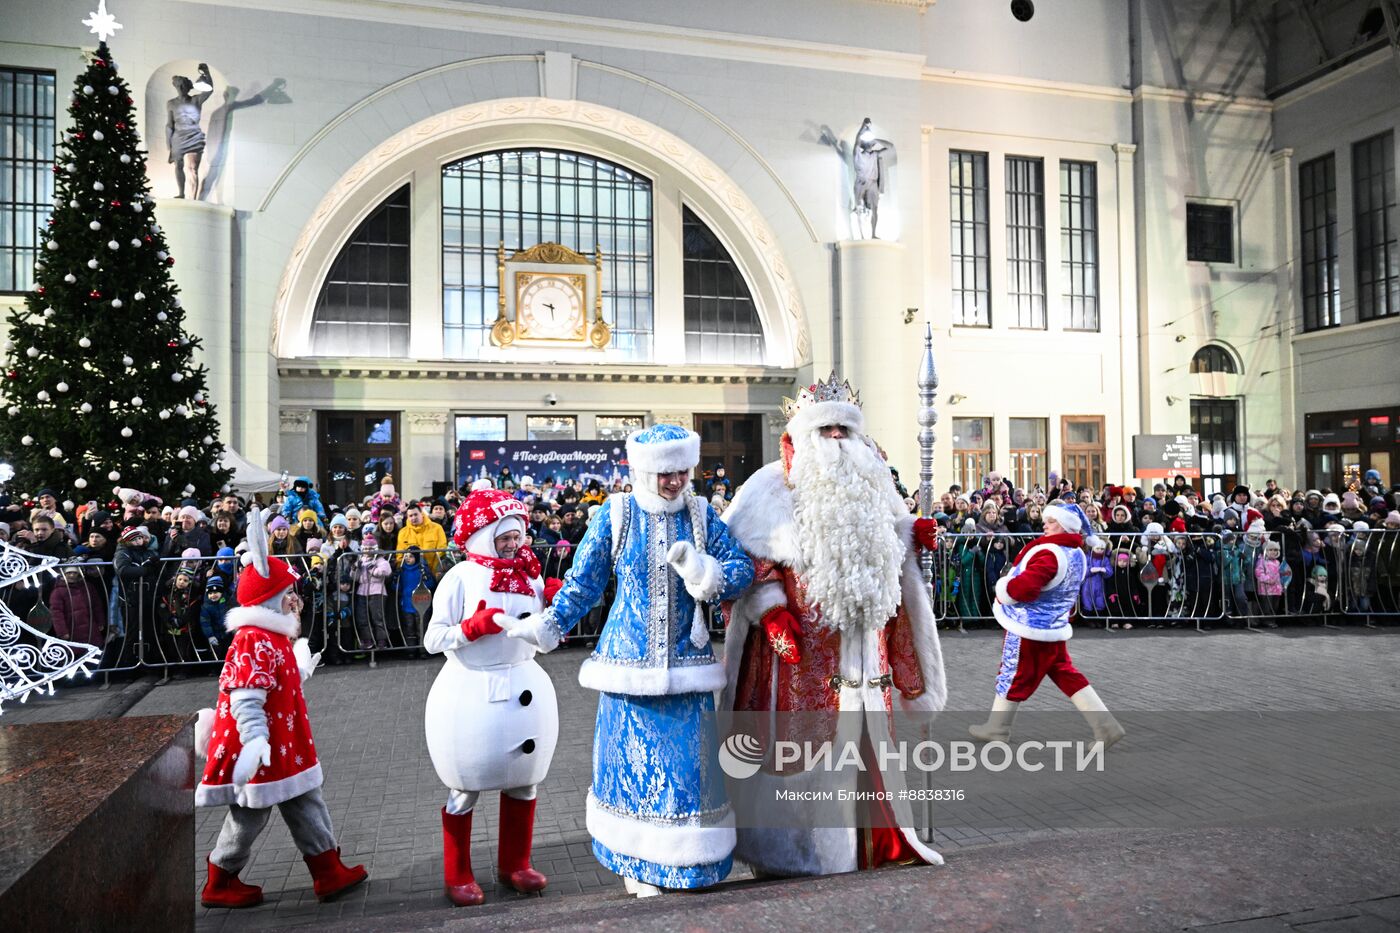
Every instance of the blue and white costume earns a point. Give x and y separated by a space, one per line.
658 811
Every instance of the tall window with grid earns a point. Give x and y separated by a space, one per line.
1377 253
362 309
1079 244
969 239
1025 241
27 146
1317 210
529 196
721 322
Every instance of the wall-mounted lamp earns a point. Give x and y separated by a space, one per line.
955 398
1172 399
909 314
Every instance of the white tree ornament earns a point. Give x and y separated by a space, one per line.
101 24
31 660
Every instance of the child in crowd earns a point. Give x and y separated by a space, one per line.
1268 577
414 575
211 614
371 572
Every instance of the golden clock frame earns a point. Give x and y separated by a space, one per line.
506 332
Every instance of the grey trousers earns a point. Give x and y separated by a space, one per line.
306 816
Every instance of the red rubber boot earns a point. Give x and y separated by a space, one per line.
458 882
223 889
330 877
513 856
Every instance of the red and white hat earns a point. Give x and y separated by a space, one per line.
483 509
264 577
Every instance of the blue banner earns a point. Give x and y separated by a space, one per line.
605 461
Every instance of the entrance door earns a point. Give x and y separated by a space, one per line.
1082 439
356 450
1216 422
732 440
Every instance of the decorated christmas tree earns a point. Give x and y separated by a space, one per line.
100 383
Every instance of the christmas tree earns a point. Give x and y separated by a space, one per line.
100 381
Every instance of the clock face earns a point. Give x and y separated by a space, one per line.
549 307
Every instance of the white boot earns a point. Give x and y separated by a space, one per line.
640 888
997 728
1106 728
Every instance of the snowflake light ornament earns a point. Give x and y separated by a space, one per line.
29 659
102 24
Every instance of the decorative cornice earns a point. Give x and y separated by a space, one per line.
295 420
549 372
548 26
426 422
555 253
999 82
1201 98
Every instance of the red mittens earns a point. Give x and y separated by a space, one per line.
782 630
552 585
926 533
481 622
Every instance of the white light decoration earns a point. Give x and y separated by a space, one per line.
164 414
52 244
125 159
135 242
29 659
84 342
208 440
136 400
70 278
87 89
43 395
62 387
55 453
27 440
92 263
113 90
103 25
13 410
85 408
127 361
97 135
98 186
95 225
127 432
32 352
183 454
114 476
177 377
113 244
181 410
80 483
162 316
116 302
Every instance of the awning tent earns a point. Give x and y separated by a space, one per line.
249 477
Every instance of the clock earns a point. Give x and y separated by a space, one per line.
549 306
550 295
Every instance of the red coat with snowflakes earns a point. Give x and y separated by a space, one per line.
261 658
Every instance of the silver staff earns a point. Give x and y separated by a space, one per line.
928 417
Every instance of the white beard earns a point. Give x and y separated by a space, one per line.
845 506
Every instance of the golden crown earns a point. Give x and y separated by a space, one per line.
818 392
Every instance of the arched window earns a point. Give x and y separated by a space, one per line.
362 309
721 322
1212 359
529 196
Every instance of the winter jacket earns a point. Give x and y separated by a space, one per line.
410 576
1268 581
1092 592
80 610
295 502
370 573
427 536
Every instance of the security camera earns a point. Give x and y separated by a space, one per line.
551 399
1022 10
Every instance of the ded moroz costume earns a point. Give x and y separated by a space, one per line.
658 810
492 720
257 740
1035 602
837 623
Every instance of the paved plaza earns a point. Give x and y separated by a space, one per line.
385 797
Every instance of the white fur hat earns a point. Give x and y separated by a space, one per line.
663 448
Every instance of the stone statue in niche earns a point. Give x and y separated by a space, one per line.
183 137
867 163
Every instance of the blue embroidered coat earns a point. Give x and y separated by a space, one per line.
657 810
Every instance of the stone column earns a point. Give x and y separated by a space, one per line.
200 237
427 455
879 352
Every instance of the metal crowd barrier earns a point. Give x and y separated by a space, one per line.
153 615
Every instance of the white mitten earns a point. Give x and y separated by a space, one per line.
541 631
700 572
306 661
256 754
203 728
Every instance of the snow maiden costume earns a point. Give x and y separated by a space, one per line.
658 810
258 739
491 717
837 623
1034 604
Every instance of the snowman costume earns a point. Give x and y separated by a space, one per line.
492 720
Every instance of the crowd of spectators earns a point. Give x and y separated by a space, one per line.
1170 555
149 580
